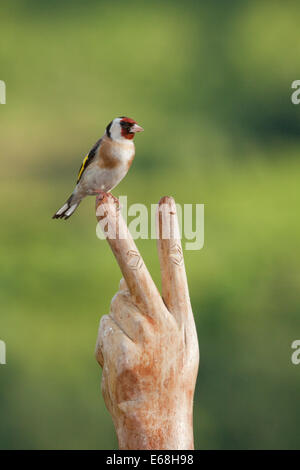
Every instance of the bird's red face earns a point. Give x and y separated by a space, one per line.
129 127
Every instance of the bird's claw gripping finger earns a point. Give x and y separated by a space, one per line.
101 196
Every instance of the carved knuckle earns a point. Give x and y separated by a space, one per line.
139 322
115 302
120 302
104 331
103 325
141 326
123 286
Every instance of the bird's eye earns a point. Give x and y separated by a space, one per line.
126 125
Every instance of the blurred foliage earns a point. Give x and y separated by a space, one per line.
210 83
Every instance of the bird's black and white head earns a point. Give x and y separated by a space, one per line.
122 129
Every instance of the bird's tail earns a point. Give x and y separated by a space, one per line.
67 209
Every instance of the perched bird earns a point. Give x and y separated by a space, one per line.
105 165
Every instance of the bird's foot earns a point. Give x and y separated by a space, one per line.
100 195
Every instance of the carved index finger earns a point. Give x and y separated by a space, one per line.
140 284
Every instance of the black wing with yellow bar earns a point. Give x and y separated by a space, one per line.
88 159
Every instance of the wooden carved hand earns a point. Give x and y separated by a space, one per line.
147 345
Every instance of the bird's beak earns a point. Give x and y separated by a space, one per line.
136 128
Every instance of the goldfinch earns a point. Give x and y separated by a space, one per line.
105 165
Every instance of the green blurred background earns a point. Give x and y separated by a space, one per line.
211 83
